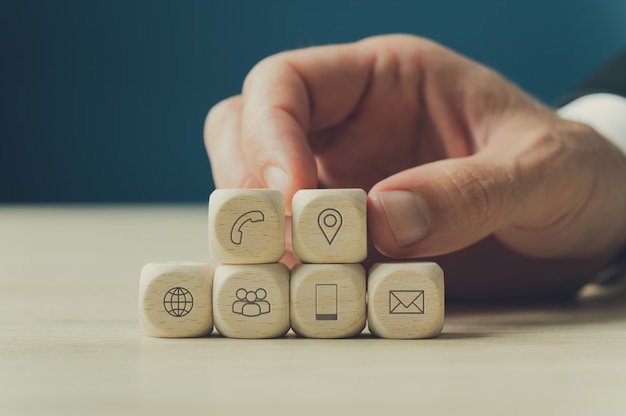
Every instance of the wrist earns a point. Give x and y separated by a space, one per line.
605 113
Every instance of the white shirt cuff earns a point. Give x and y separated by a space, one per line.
606 113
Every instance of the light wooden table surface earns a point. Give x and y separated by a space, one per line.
70 341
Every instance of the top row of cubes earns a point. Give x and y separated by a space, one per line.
247 226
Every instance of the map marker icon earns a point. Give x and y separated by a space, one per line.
330 221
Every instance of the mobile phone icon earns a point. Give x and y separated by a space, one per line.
326 302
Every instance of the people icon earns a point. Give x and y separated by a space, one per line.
251 303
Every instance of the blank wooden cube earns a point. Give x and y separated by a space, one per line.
329 225
251 301
405 300
175 299
246 226
327 300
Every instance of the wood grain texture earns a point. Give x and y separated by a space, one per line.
405 300
175 299
247 226
251 300
329 225
70 342
327 300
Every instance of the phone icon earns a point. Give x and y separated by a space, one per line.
236 233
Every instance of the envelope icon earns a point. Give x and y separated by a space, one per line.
407 302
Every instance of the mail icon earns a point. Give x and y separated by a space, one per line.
407 302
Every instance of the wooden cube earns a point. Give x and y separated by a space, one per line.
329 225
246 226
251 301
327 300
405 300
175 299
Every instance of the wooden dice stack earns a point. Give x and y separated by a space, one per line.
250 287
329 236
251 295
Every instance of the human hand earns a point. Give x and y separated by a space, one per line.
461 166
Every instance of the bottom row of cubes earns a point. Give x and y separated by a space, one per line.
401 300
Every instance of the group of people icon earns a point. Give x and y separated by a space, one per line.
251 302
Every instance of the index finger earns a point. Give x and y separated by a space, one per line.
292 94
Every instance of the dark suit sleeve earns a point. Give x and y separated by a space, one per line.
610 78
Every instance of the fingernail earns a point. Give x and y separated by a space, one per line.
276 178
407 215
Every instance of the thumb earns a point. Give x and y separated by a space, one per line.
441 207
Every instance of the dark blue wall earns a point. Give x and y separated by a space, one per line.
105 101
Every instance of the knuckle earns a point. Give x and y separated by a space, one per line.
221 113
266 65
478 193
223 110
477 199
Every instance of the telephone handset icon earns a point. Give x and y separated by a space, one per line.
236 234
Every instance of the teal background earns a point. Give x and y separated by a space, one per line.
105 101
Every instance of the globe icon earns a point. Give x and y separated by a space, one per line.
178 302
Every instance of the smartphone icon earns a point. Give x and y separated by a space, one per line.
326 302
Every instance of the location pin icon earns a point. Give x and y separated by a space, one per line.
330 221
